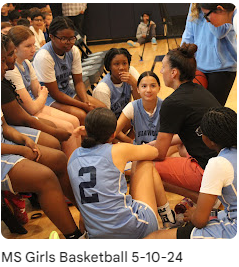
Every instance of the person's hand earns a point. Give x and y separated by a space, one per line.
28 153
188 214
88 107
32 145
62 135
126 77
90 104
152 143
79 131
43 91
144 36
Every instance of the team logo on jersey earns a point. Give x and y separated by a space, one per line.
63 67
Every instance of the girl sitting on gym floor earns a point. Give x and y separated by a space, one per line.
145 32
117 87
143 113
55 62
218 130
96 172
32 94
27 167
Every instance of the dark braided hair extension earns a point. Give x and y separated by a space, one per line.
61 23
220 126
5 41
112 53
100 124
11 86
3 49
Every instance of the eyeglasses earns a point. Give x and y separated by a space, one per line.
64 40
199 131
38 20
207 15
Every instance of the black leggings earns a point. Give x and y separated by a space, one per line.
150 35
220 84
184 231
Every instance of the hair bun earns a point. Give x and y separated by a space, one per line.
88 142
188 49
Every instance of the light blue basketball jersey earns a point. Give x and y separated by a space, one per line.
62 67
100 192
225 226
146 128
120 96
26 77
229 193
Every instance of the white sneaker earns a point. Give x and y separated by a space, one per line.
154 41
84 236
133 44
178 221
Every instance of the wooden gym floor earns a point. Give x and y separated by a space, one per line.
42 227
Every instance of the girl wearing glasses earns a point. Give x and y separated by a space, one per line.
55 62
27 167
36 28
217 50
219 132
181 114
32 95
220 14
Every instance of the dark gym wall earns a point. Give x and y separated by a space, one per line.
119 21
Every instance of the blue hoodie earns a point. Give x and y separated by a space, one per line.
217 46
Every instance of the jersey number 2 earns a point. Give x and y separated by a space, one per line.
92 171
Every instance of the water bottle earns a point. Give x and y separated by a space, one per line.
183 205
213 214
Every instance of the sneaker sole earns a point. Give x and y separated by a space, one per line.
54 235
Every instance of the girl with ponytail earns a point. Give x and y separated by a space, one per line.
96 172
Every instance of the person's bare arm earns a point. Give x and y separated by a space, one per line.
163 142
63 98
15 115
199 215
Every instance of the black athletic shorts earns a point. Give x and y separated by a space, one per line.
184 231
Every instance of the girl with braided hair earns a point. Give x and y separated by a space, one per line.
218 130
33 96
27 167
117 87
55 62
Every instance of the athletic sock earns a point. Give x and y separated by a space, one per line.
75 235
166 214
